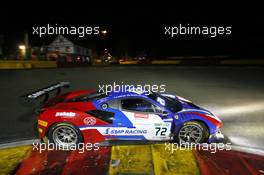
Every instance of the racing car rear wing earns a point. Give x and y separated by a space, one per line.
44 91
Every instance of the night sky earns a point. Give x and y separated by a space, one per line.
136 29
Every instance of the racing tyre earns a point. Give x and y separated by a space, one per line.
64 135
192 132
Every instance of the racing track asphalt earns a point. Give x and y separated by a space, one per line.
235 94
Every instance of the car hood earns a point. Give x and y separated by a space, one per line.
190 107
187 105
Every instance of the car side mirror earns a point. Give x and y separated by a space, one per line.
164 113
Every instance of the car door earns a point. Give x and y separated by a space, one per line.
145 119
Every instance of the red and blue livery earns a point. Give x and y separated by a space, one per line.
89 116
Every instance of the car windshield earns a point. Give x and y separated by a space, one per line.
89 97
169 103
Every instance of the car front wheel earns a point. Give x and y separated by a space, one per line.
193 132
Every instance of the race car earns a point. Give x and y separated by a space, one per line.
90 116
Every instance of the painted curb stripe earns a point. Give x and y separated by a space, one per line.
229 162
141 159
66 162
47 162
89 162
131 160
11 157
177 162
151 159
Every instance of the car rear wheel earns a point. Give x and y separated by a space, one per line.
64 135
193 132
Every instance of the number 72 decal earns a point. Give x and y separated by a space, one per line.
160 131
